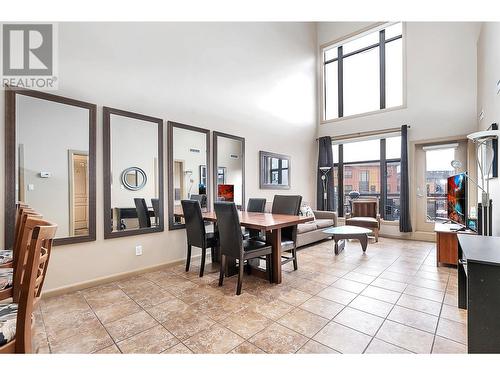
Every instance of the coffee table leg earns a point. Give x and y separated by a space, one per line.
336 246
364 242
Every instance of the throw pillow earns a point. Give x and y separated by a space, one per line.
307 212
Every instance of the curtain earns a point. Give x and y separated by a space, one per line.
325 159
404 219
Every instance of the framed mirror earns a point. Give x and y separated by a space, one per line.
274 170
50 147
133 173
188 168
229 168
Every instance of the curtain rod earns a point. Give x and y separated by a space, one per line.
368 133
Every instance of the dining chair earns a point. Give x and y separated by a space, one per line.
288 205
142 213
196 232
254 205
10 277
16 318
232 244
7 255
155 202
202 198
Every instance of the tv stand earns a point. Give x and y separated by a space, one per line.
447 243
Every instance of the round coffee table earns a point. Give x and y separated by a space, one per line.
348 232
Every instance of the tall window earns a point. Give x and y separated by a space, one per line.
371 169
364 74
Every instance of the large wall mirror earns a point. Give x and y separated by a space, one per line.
274 170
133 173
188 168
229 169
50 162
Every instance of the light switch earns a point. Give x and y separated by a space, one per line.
31 187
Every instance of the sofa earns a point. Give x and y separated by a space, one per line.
312 231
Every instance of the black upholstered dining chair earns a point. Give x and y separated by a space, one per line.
232 245
254 205
196 233
288 205
155 202
142 213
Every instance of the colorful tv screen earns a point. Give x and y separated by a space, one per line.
225 193
457 198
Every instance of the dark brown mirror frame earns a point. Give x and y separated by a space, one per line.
108 229
10 161
263 185
170 169
215 166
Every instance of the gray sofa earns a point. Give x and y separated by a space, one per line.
312 231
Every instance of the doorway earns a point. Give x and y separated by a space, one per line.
78 193
433 167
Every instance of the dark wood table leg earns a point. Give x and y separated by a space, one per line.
275 236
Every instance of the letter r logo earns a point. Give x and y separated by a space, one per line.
27 49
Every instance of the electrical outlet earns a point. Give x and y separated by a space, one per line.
138 250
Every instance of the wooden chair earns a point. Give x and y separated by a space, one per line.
7 256
10 279
364 213
16 318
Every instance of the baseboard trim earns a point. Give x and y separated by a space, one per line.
108 279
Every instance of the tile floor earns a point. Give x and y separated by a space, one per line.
393 299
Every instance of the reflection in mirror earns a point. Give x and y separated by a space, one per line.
189 148
54 151
134 178
229 157
274 170
133 173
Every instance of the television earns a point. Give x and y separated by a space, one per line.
225 192
457 198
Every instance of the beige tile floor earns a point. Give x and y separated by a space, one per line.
393 299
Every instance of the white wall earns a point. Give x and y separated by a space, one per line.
36 120
255 80
488 101
134 143
226 148
440 81
184 140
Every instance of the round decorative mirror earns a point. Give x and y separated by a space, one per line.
134 178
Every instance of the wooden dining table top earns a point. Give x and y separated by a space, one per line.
256 220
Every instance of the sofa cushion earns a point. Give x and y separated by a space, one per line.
366 222
5 256
306 227
306 211
324 223
6 276
8 320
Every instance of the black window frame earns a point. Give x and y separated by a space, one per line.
340 71
383 162
278 170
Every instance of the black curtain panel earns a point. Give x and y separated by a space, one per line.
404 219
325 159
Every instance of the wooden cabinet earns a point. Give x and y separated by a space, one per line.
447 243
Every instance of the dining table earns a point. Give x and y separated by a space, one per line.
268 222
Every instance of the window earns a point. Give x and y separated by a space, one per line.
278 171
364 74
368 172
438 169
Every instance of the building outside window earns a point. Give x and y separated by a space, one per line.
362 170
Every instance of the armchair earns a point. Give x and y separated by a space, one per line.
364 213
